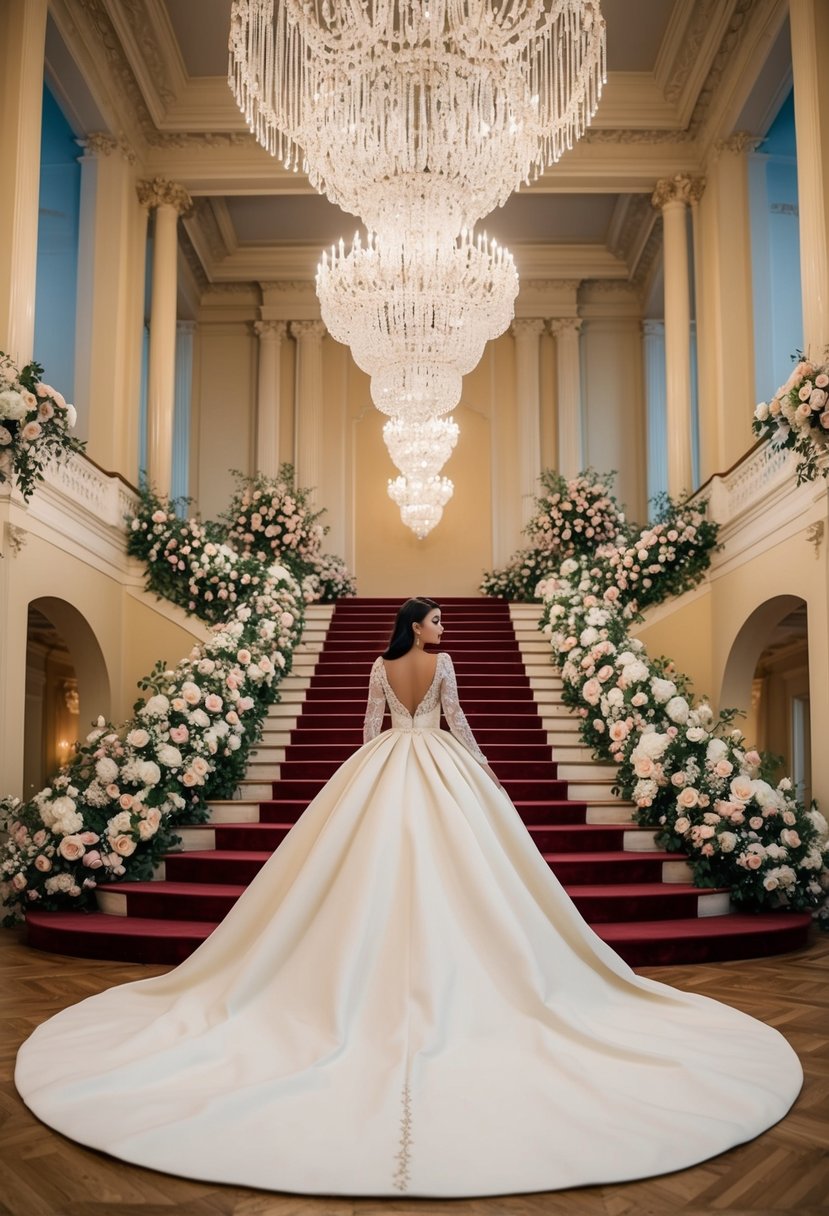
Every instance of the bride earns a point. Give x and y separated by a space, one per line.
405 1001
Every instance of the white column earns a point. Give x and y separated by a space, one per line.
270 335
672 195
308 427
110 293
180 479
809 23
527 333
22 42
169 201
653 358
566 330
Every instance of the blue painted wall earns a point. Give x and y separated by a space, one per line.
775 249
57 249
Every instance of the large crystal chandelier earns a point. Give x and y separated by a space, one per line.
417 317
413 114
421 501
420 449
421 117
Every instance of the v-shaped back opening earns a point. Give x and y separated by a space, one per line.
412 713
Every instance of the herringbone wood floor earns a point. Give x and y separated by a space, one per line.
784 1171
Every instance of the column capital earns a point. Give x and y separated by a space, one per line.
678 189
270 331
653 328
159 192
305 330
565 325
738 143
527 327
100 144
186 327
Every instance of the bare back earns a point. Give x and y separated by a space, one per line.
411 676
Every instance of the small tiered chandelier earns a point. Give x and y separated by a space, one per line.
420 449
421 117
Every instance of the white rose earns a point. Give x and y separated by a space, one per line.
677 710
149 772
138 737
169 756
157 706
662 690
652 745
716 750
12 405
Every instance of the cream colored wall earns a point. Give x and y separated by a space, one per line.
224 411
119 639
699 631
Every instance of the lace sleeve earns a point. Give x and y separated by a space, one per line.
376 707
451 706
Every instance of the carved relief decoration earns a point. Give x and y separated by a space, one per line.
681 188
159 192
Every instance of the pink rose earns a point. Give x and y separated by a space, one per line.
752 759
592 691
790 838
756 822
31 431
687 797
71 848
707 850
644 767
93 859
723 768
43 863
189 779
19 882
123 845
754 861
125 802
213 703
179 734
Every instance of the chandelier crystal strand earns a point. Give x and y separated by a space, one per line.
421 501
420 449
417 318
404 112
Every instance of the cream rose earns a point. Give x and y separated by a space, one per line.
72 848
123 845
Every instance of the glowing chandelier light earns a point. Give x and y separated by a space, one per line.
420 449
413 113
421 501
417 318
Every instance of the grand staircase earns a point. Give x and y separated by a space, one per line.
637 898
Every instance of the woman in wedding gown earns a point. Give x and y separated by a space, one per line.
405 1001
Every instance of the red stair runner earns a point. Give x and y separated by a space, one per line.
620 892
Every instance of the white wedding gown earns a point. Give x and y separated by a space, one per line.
405 1001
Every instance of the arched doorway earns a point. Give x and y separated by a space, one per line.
66 687
767 675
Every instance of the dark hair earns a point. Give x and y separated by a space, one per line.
409 614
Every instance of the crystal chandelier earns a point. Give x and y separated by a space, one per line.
417 317
421 501
419 113
420 449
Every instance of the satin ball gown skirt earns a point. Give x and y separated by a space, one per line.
405 1001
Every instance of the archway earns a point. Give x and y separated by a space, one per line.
67 685
767 675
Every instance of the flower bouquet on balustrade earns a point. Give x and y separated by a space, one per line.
111 813
35 421
687 771
797 418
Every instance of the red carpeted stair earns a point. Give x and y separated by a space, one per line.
635 896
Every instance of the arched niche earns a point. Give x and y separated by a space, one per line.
67 685
767 676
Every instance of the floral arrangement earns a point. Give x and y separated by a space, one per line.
575 515
35 421
112 811
205 567
797 417
270 518
638 567
687 770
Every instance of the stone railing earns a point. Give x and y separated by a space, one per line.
104 495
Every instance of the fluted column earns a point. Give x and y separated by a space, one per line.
270 335
527 333
169 201
22 42
566 330
809 23
309 418
672 196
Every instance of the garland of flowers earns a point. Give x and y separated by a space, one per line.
797 418
645 566
35 420
111 812
687 770
204 567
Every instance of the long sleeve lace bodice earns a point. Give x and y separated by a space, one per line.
442 694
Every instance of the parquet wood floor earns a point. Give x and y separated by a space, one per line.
784 1171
